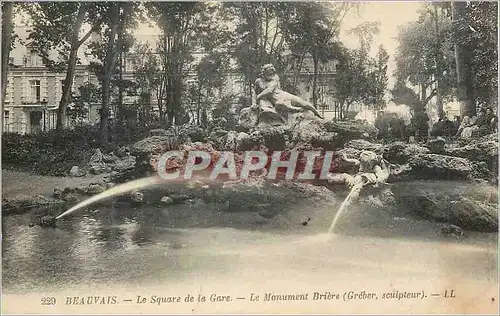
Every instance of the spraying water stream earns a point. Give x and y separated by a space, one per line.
120 189
346 202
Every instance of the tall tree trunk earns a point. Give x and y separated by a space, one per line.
6 45
463 60
315 78
439 100
70 70
109 65
119 106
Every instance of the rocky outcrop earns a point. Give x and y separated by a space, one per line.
400 152
436 146
350 130
22 203
412 161
441 167
146 151
484 149
361 144
450 203
77 172
248 118
193 133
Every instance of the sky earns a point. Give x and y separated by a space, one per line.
391 16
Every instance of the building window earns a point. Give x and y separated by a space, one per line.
34 59
6 119
7 91
35 90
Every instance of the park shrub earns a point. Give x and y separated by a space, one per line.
49 153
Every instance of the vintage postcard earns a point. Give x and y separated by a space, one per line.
249 157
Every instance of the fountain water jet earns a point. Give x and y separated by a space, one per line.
123 188
346 202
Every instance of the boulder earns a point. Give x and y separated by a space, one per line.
248 118
436 146
483 150
45 221
160 132
110 158
154 145
361 144
166 200
341 165
307 129
245 142
127 162
455 204
122 151
97 156
326 141
76 172
238 141
96 188
441 167
137 197
257 194
98 168
273 137
70 197
399 172
82 189
350 130
146 152
452 230
23 203
192 132
400 152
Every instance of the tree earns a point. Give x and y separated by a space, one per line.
89 94
118 15
119 19
149 76
259 37
424 57
352 80
313 27
361 78
451 51
207 86
185 27
379 79
475 35
7 28
463 59
57 26
401 94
